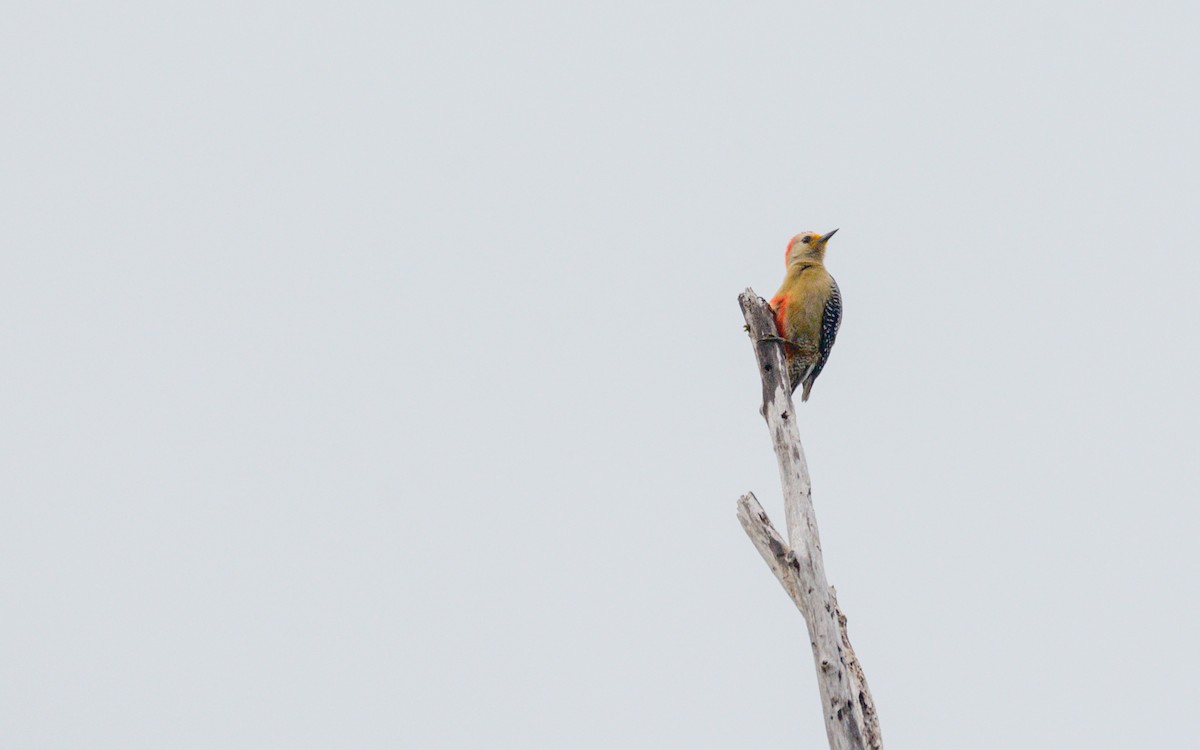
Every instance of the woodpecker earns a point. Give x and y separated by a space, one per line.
808 309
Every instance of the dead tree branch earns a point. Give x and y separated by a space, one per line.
850 719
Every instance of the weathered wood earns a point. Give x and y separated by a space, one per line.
850 719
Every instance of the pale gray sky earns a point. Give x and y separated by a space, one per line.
372 374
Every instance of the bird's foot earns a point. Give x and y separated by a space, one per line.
777 339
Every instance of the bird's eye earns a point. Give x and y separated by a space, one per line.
806 240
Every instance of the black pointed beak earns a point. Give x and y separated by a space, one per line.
826 237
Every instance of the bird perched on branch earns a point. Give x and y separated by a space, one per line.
808 310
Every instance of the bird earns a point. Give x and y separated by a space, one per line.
808 310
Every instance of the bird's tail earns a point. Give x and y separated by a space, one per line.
802 376
808 384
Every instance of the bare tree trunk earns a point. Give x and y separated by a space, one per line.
850 719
